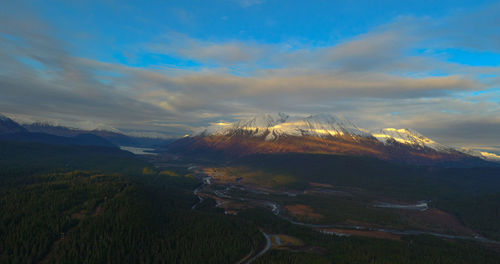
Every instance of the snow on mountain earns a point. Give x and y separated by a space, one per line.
490 156
408 137
274 126
256 125
481 154
323 124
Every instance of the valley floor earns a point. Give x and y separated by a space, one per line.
329 210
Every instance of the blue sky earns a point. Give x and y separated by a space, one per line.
112 30
168 67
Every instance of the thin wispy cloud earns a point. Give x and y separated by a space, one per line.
249 3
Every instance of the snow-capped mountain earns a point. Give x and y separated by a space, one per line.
320 134
274 126
408 137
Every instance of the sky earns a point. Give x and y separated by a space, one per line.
165 68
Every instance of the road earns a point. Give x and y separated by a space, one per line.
276 211
264 250
200 199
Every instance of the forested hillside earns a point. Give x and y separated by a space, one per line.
117 210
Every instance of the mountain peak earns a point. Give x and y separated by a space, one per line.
322 125
328 124
273 126
263 121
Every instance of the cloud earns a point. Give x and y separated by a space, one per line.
60 87
402 47
380 78
475 30
219 53
473 131
249 3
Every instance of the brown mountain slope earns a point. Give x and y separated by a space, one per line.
235 146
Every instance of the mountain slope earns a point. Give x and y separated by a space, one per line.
7 125
408 137
482 154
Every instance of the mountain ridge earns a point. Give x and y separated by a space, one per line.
14 132
116 138
320 133
319 125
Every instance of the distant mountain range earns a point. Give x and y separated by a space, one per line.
268 133
45 133
322 133
116 138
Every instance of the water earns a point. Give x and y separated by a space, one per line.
138 151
